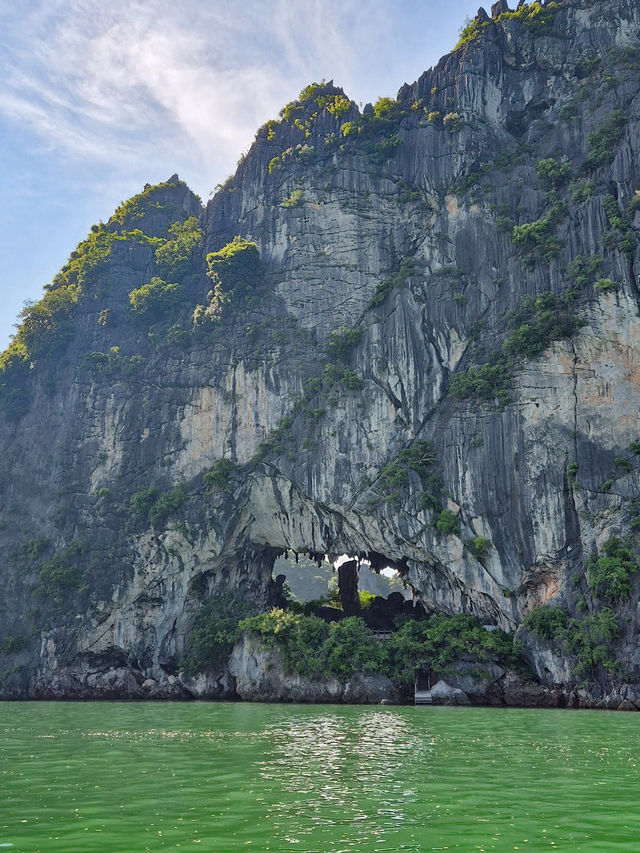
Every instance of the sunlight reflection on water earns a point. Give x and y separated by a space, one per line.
133 776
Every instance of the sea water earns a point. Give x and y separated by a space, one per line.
125 777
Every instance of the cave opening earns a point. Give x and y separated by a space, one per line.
369 586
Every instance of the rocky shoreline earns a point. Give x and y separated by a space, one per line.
255 674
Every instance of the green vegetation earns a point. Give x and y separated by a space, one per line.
385 109
490 381
604 141
587 67
471 30
478 546
552 174
11 644
539 321
440 642
366 599
622 237
505 161
218 476
175 257
236 273
274 440
583 270
60 575
372 133
89 257
547 622
310 647
533 327
582 191
153 506
604 285
616 219
145 204
342 341
588 639
634 204
538 236
569 112
45 330
236 264
623 464
300 639
627 57
345 377
293 200
335 104
609 575
453 121
420 458
215 631
86 259
397 279
338 106
448 523
47 325
155 300
113 362
535 17
334 379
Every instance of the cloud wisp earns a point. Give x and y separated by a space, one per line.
126 82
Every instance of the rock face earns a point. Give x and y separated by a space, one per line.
421 349
260 678
370 689
444 694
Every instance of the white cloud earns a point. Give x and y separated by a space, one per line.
182 85
124 81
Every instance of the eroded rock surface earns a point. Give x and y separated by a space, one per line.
371 355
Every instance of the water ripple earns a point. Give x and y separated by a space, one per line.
146 777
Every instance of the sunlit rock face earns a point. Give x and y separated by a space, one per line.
366 372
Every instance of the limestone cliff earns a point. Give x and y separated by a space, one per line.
408 334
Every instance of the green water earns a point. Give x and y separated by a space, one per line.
225 777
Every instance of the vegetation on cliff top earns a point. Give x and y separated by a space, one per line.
535 17
48 324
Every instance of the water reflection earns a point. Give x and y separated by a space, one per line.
125 777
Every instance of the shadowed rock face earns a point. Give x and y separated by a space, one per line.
370 360
348 585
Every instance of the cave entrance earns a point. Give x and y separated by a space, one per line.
367 586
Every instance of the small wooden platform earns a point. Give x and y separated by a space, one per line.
422 688
382 635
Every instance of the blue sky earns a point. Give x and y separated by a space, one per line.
99 98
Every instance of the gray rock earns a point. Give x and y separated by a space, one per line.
103 580
475 678
443 694
260 677
370 689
